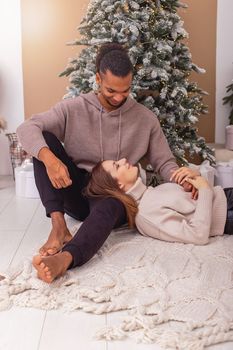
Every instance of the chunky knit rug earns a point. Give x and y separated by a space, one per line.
157 282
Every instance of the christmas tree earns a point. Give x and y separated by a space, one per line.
229 99
153 32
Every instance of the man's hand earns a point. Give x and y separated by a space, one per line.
58 175
180 175
56 170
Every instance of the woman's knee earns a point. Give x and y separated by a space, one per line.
113 209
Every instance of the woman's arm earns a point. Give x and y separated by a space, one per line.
180 175
172 225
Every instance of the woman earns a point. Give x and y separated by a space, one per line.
165 212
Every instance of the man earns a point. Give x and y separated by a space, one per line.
108 124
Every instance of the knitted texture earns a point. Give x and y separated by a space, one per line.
159 283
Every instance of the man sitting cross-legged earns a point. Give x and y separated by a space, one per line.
67 141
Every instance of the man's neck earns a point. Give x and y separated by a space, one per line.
105 104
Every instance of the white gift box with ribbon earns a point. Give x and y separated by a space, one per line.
25 182
224 174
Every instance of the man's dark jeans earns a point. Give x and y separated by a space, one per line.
100 216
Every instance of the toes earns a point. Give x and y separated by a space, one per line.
49 276
49 279
53 251
43 252
36 260
42 265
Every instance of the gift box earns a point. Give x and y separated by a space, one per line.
17 154
229 137
224 174
24 181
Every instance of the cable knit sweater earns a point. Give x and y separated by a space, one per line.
169 213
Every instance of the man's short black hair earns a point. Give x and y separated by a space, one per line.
113 57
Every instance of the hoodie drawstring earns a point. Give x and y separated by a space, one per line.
101 136
119 138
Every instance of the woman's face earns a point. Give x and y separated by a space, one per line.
125 173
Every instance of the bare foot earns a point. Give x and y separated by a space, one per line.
50 267
59 235
55 242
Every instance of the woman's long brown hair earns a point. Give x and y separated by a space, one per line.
102 184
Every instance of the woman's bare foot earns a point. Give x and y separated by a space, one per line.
50 267
58 236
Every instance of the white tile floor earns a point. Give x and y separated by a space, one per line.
23 227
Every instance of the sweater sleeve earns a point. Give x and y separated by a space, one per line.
173 226
30 132
159 153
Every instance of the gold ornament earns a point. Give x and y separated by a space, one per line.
126 7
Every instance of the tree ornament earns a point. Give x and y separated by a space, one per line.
126 7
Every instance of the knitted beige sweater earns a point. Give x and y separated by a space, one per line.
169 213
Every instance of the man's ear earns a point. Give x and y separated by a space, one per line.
98 78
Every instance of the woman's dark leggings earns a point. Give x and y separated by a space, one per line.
229 221
100 216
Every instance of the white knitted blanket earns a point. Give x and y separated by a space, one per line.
158 282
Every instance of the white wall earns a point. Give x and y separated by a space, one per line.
11 77
224 65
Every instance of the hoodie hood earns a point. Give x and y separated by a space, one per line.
93 100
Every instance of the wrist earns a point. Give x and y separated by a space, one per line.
47 157
205 186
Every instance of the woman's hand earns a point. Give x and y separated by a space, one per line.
198 182
190 188
180 176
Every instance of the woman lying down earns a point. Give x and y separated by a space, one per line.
165 212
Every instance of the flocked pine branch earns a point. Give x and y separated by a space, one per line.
229 100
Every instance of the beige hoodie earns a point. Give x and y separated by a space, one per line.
169 213
91 134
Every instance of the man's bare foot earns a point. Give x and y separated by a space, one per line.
50 267
59 235
55 242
